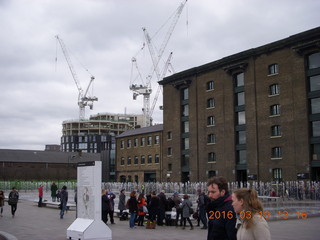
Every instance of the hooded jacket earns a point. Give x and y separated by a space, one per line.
222 219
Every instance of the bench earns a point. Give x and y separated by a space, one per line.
47 203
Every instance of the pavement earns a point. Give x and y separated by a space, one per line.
32 222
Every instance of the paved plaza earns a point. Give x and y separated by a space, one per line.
44 223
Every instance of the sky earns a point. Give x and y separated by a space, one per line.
102 37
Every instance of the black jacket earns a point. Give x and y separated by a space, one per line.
221 225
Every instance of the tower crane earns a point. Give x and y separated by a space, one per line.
145 89
83 99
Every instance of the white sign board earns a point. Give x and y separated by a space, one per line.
89 225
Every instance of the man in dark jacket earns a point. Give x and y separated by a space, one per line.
222 218
64 200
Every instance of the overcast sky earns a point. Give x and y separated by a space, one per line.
102 36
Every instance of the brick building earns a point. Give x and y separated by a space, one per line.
251 115
139 155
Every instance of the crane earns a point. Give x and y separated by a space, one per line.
145 89
83 99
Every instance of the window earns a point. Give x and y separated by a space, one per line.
185 127
241 137
316 128
210 85
143 159
149 140
157 158
277 174
169 151
242 157
276 152
314 60
136 142
315 150
122 161
314 83
169 135
169 167
273 69
122 144
211 138
129 143
212 173
210 103
275 130
211 157
149 159
241 118
239 79
274 89
129 161
136 160
185 94
142 143
157 139
185 160
240 99
185 143
210 121
315 105
275 110
185 110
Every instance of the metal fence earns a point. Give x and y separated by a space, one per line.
290 190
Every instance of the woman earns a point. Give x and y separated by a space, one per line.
1 202
250 223
133 208
122 201
186 206
141 204
13 200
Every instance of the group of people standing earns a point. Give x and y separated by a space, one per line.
12 201
107 205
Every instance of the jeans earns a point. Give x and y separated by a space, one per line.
63 208
203 216
132 219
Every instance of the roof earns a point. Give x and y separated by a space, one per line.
30 156
144 130
287 42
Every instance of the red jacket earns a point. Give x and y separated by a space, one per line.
40 190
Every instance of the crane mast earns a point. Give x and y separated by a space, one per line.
145 89
83 99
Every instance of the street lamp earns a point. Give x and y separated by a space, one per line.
68 168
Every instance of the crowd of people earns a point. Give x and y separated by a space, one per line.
225 215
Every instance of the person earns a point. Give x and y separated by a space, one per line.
161 208
105 206
251 224
58 195
133 208
177 201
202 208
122 201
141 213
54 189
63 200
40 191
186 206
13 200
111 197
1 202
153 210
222 218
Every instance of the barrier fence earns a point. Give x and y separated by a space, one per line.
289 190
